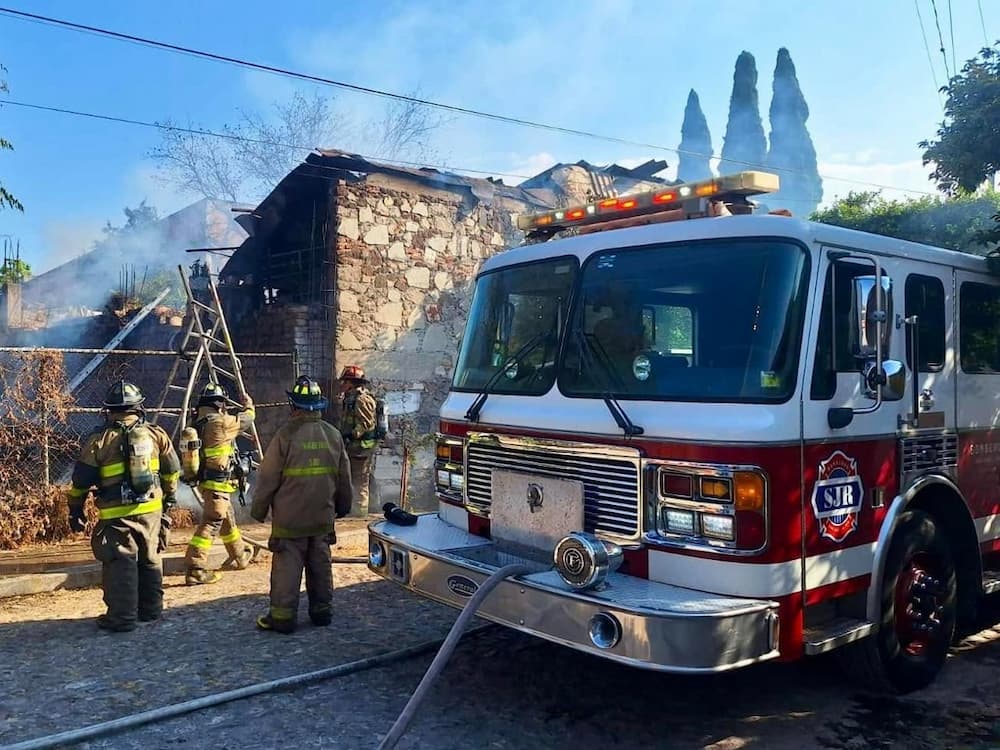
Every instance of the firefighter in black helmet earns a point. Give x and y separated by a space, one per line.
132 469
217 429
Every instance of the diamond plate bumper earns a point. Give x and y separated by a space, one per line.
663 627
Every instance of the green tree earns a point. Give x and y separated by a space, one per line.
7 200
744 145
966 151
14 269
696 143
792 155
959 223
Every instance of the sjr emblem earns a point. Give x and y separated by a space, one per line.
837 496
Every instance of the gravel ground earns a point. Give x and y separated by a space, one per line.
502 689
58 670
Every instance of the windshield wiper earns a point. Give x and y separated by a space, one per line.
617 412
515 359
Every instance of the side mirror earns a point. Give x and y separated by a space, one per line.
871 323
891 376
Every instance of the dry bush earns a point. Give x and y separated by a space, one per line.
33 415
181 518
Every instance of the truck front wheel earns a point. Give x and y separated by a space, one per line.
918 610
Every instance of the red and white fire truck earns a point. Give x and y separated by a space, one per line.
720 441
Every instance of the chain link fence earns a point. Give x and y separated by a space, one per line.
50 399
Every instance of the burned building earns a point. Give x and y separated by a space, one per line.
356 262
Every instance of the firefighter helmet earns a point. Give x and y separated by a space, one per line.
354 372
213 395
123 395
306 394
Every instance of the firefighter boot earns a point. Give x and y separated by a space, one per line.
106 623
240 556
200 576
266 622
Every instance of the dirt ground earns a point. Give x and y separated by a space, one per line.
501 690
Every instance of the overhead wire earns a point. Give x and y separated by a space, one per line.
368 90
944 55
982 23
244 139
422 165
927 49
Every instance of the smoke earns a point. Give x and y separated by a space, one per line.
145 247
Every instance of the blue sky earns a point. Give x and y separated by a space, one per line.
611 66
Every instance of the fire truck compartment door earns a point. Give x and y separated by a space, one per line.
534 512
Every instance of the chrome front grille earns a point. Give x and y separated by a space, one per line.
930 452
610 477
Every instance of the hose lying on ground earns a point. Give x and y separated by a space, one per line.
445 652
178 709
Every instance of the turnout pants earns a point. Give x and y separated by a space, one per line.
361 470
131 567
289 558
217 520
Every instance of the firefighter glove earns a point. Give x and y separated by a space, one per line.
164 538
169 501
77 518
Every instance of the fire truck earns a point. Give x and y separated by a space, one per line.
718 437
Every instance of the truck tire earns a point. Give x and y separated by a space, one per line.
918 611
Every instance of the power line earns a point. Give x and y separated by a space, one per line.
982 22
944 54
243 139
233 137
927 49
510 120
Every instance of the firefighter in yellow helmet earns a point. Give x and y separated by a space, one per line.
304 481
134 468
358 427
217 429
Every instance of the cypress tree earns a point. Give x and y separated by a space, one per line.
696 143
792 156
744 146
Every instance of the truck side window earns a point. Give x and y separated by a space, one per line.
835 339
925 299
979 328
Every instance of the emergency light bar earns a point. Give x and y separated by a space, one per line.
735 187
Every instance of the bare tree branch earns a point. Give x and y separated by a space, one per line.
197 164
257 151
405 130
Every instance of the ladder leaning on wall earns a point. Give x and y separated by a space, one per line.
205 347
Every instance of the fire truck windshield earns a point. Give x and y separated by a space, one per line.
709 321
518 310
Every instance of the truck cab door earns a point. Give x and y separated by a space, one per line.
850 425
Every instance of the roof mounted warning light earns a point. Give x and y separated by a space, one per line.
687 201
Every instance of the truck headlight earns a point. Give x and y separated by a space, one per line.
584 561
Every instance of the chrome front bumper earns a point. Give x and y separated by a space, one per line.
664 627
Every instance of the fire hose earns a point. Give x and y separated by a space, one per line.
164 713
446 650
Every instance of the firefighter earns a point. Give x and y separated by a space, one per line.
358 428
304 480
134 469
217 429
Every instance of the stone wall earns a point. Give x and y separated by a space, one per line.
407 256
274 328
